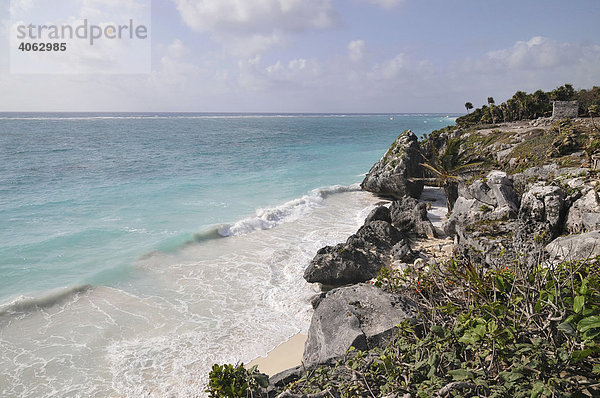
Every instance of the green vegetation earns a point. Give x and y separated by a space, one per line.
468 106
523 106
510 332
233 381
448 167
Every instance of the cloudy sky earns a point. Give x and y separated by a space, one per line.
330 56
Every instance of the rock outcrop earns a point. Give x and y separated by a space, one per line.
541 214
380 213
398 172
484 215
360 316
410 217
357 260
584 214
575 247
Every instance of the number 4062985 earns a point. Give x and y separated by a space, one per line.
43 47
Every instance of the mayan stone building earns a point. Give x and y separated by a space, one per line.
564 109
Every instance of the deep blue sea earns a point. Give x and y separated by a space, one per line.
138 249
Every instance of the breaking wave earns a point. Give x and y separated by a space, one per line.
289 211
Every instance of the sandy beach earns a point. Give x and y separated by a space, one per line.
285 356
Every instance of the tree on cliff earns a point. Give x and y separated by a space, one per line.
448 167
468 105
491 103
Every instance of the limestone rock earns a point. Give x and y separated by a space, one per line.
584 214
410 217
357 260
361 316
541 218
396 174
342 264
483 217
575 247
380 213
491 199
377 236
402 252
543 205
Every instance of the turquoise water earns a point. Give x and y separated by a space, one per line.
82 196
138 250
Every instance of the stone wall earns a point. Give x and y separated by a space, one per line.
564 109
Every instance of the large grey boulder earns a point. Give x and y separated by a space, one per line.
398 173
410 217
575 247
492 198
543 204
360 316
380 213
377 236
541 218
584 214
342 264
483 217
357 260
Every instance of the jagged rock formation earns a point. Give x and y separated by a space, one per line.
410 217
360 316
575 247
380 213
398 172
376 244
584 215
357 260
541 213
484 215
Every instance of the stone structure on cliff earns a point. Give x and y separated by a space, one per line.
565 109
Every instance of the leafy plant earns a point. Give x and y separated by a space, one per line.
448 167
233 381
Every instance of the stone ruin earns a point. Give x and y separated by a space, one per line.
565 109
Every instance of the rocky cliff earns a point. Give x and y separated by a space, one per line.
529 203
397 173
532 205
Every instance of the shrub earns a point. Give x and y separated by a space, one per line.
516 331
233 381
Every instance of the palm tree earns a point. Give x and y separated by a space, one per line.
468 105
448 167
491 104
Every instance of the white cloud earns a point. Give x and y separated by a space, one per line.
248 45
537 53
176 49
250 27
356 50
528 65
18 6
255 16
388 4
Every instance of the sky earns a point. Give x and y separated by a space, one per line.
342 56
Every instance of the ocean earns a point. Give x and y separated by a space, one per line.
136 250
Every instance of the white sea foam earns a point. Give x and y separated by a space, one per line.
214 301
289 211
